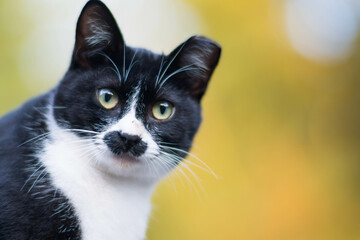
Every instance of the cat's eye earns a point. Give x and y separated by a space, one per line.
107 98
162 110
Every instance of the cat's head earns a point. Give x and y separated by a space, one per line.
136 112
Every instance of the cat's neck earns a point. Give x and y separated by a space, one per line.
108 207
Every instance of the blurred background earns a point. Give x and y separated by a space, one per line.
281 124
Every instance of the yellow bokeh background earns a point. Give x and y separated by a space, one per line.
280 131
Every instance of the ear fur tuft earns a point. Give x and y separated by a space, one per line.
201 55
96 32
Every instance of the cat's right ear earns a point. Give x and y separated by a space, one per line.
97 36
196 58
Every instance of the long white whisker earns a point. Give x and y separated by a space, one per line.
162 75
80 130
35 139
178 158
170 176
189 180
182 69
130 66
33 174
36 180
195 165
194 175
148 165
44 135
124 61
117 69
192 155
160 68
167 168
171 164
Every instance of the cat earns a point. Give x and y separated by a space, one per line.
82 160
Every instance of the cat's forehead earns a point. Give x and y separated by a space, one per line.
132 69
140 60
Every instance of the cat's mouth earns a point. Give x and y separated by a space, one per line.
125 158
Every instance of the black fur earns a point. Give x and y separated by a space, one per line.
29 211
40 211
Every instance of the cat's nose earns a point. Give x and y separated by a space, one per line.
129 140
120 142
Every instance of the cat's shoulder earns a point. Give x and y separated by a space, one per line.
34 108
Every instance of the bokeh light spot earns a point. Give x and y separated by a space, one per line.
322 30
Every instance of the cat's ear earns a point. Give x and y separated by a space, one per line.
97 36
196 58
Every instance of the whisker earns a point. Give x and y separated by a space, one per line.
195 165
112 62
37 179
80 130
183 164
51 107
162 75
180 70
35 139
189 180
148 165
124 60
33 174
155 169
178 158
169 162
161 66
168 167
130 66
192 155
44 135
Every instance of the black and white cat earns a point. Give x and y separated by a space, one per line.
82 160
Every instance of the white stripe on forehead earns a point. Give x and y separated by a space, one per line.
129 124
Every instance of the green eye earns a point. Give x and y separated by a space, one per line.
107 98
162 110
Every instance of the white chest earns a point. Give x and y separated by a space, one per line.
108 208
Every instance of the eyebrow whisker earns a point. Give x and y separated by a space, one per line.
172 60
116 70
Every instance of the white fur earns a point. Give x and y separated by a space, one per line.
108 207
110 197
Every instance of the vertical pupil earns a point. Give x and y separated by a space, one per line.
107 97
163 108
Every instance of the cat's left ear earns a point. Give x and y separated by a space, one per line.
97 36
196 58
